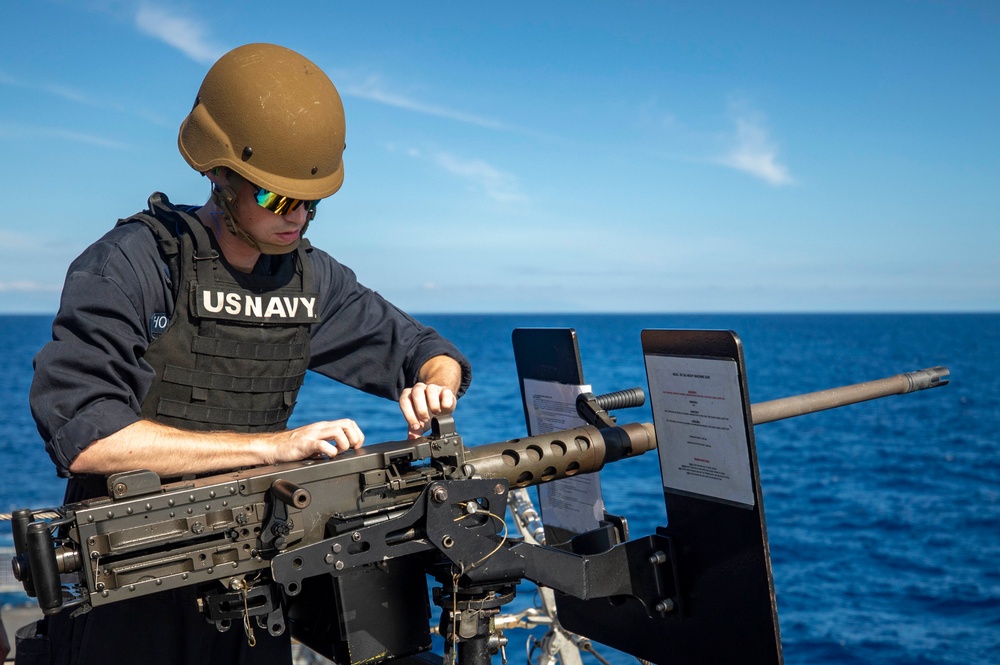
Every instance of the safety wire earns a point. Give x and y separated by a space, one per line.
503 534
462 569
244 588
454 613
247 628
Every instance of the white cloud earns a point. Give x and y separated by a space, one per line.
57 90
24 132
372 90
73 95
755 154
185 34
499 186
28 287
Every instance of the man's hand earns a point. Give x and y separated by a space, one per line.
423 401
327 437
433 394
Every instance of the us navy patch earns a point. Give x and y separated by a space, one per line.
239 305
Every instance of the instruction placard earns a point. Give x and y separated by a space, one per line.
574 504
700 428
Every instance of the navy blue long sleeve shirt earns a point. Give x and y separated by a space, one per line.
91 379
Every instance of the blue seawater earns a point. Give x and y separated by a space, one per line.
883 517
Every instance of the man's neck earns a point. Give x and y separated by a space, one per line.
236 251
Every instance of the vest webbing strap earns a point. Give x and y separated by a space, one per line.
222 348
229 383
213 415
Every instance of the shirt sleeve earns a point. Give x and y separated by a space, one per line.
90 380
364 341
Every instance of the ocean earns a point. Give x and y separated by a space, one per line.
883 517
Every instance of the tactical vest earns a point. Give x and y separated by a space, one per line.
236 348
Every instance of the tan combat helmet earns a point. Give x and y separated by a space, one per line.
273 117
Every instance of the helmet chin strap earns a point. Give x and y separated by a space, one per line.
224 196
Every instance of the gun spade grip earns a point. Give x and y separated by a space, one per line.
19 521
44 569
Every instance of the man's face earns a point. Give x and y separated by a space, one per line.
266 226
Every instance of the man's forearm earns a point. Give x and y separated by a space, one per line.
169 451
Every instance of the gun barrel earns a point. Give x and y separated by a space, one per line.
546 457
797 405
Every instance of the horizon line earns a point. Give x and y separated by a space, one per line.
887 312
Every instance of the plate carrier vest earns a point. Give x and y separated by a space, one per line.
235 351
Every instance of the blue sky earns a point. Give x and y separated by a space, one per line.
561 156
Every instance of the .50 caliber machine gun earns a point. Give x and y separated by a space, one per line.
338 550
364 515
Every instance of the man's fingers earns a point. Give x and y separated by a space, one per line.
413 404
347 434
328 437
448 401
406 407
337 436
432 397
418 400
423 401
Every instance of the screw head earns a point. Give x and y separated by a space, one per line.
665 605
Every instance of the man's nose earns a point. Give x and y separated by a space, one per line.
298 215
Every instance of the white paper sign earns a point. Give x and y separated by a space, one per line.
574 504
700 431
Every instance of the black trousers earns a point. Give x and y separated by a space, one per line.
159 629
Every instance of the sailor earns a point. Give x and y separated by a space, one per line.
184 334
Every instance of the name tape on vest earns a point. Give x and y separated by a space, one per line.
244 306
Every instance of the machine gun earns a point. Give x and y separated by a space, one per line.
255 538
337 550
